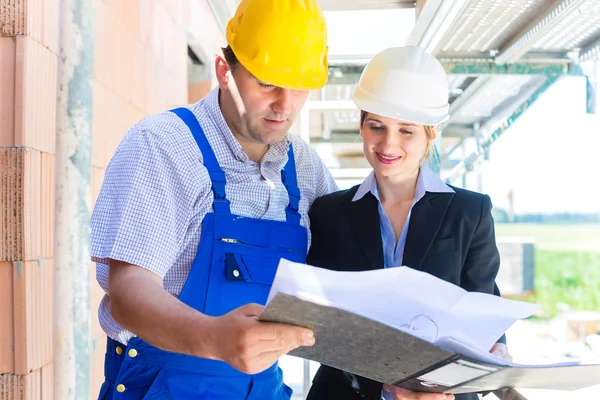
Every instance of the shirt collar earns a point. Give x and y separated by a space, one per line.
276 151
427 181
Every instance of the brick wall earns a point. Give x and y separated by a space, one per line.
28 76
140 67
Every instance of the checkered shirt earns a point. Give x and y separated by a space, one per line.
156 192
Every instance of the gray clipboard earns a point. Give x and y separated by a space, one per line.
385 354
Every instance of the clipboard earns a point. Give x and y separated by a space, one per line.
368 348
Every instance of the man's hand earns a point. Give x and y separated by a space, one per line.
140 304
251 346
403 394
501 350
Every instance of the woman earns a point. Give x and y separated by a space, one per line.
402 214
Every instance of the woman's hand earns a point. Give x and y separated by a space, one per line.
403 394
501 350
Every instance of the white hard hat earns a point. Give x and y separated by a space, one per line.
404 83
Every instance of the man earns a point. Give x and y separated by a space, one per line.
197 208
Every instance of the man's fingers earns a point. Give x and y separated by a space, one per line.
281 339
434 396
403 394
284 333
252 310
273 346
501 350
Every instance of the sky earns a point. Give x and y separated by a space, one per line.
367 31
550 156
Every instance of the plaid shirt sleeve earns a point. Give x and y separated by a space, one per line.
146 201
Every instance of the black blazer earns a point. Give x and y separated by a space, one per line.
450 235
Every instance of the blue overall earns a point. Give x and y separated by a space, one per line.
235 265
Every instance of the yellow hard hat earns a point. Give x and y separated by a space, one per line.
281 42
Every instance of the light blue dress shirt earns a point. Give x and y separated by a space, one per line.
393 252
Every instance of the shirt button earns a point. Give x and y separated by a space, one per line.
119 350
236 273
132 353
120 388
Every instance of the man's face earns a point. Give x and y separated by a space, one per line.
266 112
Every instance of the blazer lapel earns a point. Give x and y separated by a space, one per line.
364 218
425 221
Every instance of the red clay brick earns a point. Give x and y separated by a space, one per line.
196 91
138 75
32 249
34 18
33 295
115 111
124 57
12 18
50 25
115 7
47 205
147 22
158 28
100 123
104 47
12 162
132 16
37 19
47 382
98 350
35 95
7 91
12 387
7 339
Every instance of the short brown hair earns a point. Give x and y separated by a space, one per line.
230 58
428 133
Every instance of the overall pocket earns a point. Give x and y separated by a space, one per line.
241 274
159 388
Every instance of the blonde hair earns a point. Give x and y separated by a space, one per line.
428 133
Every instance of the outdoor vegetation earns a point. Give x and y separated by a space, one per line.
567 264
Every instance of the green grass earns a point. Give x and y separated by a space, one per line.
578 238
567 264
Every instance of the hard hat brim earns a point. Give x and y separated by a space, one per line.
406 113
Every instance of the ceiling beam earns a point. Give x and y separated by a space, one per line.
433 22
335 5
490 68
527 37
590 52
459 131
473 88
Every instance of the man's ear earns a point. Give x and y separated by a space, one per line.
222 71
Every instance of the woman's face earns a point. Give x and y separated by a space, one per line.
394 148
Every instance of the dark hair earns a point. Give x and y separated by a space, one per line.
230 58
363 117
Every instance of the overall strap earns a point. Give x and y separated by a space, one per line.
290 181
217 176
